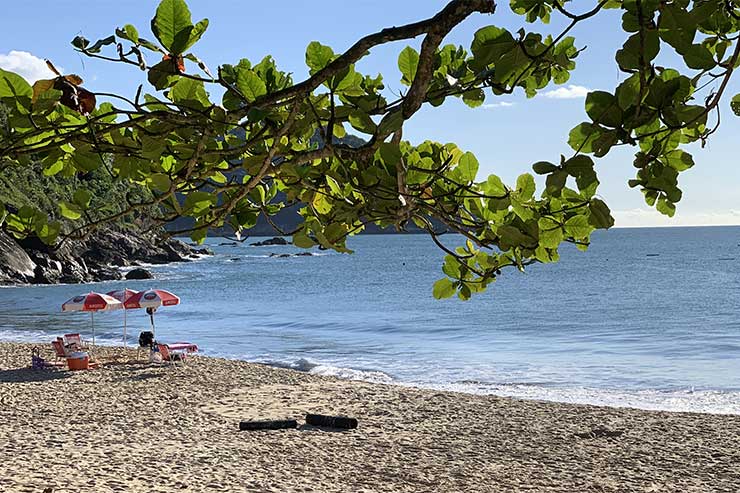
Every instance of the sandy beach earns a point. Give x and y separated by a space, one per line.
141 427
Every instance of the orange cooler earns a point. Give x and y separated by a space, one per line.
78 361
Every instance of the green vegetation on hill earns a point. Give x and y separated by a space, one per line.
27 187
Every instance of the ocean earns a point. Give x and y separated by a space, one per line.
646 318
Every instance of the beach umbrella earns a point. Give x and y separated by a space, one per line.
123 295
91 302
151 299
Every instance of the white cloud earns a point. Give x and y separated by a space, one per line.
641 217
569 92
28 66
500 104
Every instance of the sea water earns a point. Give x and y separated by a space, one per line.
646 318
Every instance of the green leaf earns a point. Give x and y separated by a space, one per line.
131 33
318 56
189 91
551 233
362 122
197 203
735 104
578 227
160 182
543 167
468 166
198 30
391 122
172 25
82 198
525 186
70 211
665 206
628 92
678 159
495 187
408 61
600 216
555 182
250 85
302 240
489 44
13 85
444 288
474 97
163 74
603 108
699 57
583 136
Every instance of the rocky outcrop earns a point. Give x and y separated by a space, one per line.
272 241
17 266
95 259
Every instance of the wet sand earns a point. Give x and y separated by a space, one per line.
139 427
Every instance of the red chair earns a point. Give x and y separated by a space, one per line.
164 352
59 350
73 341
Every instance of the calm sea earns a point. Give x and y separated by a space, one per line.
647 318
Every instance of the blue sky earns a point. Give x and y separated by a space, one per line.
508 134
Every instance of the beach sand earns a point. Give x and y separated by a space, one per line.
149 428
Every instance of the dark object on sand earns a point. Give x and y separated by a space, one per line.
272 424
139 273
599 432
331 421
146 339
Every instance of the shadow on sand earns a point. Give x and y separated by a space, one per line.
19 375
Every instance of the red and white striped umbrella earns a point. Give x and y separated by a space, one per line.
123 295
151 299
91 302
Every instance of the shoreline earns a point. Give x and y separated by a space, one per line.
640 399
141 427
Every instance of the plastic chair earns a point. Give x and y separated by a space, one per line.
73 341
59 350
167 355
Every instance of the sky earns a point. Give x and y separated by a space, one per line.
507 134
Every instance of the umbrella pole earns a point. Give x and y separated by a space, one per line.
124 328
92 323
151 317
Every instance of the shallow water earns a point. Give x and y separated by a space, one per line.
646 318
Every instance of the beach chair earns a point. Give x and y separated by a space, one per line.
59 350
73 342
167 355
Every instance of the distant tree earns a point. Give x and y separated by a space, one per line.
186 149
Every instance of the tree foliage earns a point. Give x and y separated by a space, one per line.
253 152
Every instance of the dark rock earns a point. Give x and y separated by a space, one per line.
228 244
280 255
107 274
15 264
203 251
286 255
272 241
235 259
139 273
94 259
